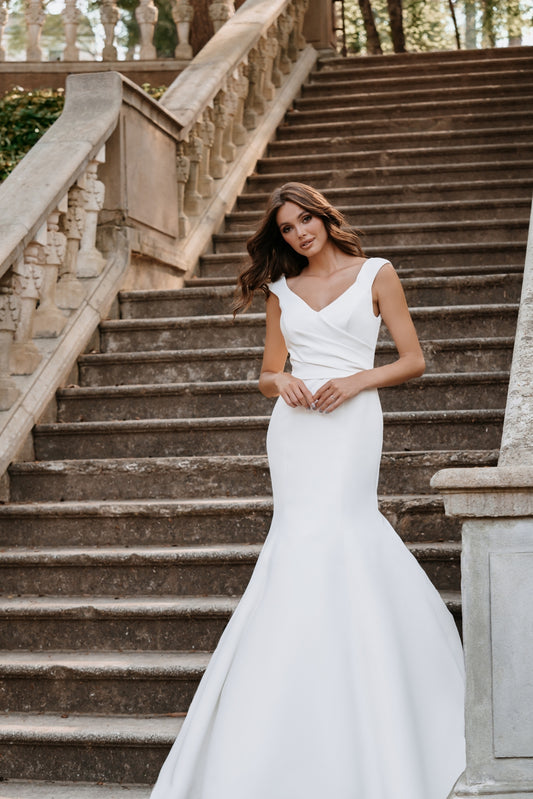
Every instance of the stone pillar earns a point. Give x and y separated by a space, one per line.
25 357
70 292
206 182
220 12
90 260
109 15
228 146
8 314
3 22
193 150
71 17
49 321
241 89
319 25
218 162
182 14
146 15
182 171
35 16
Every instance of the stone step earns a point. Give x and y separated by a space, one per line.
345 81
352 94
221 569
86 748
403 256
191 522
434 62
428 290
461 123
445 192
239 398
385 174
44 789
245 435
177 366
130 335
207 476
399 156
313 140
138 623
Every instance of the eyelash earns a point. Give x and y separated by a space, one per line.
305 218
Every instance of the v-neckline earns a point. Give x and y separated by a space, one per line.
338 297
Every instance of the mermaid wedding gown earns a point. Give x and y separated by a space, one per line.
340 674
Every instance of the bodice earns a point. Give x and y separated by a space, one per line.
340 338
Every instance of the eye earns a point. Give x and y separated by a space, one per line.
286 229
307 218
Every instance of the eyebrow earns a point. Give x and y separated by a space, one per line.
304 213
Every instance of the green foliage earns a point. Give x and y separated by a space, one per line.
24 117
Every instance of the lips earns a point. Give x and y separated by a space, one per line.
307 243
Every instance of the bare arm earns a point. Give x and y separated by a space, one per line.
389 300
273 381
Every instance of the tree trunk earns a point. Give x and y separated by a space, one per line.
456 27
396 25
470 24
487 24
373 44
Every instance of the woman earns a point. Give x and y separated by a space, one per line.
340 673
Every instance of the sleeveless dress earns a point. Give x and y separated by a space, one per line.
340 674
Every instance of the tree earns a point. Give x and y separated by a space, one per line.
396 25
373 43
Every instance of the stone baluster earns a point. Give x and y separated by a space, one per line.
49 321
27 275
269 46
35 16
220 12
228 145
250 113
293 36
182 14
182 174
109 16
8 316
90 260
206 183
146 15
71 15
241 89
285 26
70 292
301 8
193 151
218 162
3 22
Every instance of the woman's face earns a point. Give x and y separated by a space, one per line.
305 233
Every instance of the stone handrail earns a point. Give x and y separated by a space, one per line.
124 191
146 14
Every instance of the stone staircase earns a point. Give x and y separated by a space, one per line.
131 535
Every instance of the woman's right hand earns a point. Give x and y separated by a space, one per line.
293 390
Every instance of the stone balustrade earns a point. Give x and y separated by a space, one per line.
146 14
130 193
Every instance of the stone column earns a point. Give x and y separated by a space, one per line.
241 89
49 321
193 150
3 22
70 292
146 15
182 14
218 162
71 17
109 15
285 26
35 16
206 183
90 260
228 146
220 12
182 173
8 314
25 357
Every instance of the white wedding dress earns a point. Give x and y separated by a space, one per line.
340 674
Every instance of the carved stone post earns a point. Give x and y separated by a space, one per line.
3 22
35 15
182 169
182 14
220 12
269 48
70 292
206 183
301 7
25 357
292 51
48 321
228 147
254 101
8 314
285 25
193 149
146 15
90 260
218 162
241 89
109 16
71 18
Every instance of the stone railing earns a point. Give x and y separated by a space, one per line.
146 14
124 191
496 505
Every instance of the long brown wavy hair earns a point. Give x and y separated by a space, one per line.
272 257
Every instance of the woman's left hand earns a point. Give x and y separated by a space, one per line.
336 391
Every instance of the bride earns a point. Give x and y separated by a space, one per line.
340 674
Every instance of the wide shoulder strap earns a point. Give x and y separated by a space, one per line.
277 286
370 269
